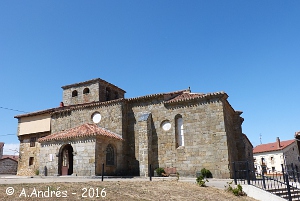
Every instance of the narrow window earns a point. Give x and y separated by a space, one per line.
116 95
32 141
107 95
272 160
31 159
74 93
86 91
179 131
110 158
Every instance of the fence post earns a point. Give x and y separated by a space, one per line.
102 171
293 172
282 168
297 172
234 173
288 188
150 175
264 181
247 173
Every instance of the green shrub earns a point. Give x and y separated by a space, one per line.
206 173
37 172
201 181
238 191
159 171
177 175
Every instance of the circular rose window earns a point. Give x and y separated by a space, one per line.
96 117
166 125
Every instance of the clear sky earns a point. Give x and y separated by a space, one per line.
249 49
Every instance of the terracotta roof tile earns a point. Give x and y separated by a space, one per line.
190 96
84 130
16 158
174 93
185 96
272 146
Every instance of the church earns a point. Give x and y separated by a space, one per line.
95 124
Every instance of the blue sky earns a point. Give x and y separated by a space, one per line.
249 49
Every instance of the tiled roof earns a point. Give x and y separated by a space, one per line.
13 157
174 93
171 97
47 111
84 130
272 146
70 107
190 96
185 96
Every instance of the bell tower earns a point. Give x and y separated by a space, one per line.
94 90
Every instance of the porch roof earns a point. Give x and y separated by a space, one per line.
84 130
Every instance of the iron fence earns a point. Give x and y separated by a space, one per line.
285 184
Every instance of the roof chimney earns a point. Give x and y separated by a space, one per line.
278 143
61 104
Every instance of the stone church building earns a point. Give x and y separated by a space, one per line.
95 124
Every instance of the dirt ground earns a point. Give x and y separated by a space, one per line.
115 190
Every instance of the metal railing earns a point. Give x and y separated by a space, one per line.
285 185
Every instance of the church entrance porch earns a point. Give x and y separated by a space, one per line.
65 160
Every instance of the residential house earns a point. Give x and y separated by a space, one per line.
271 157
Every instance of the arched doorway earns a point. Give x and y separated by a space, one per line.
65 160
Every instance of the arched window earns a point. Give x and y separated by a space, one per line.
107 95
74 93
110 157
179 131
86 91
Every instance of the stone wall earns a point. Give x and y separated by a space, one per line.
291 154
111 117
93 95
25 152
235 138
99 90
8 166
114 92
83 156
248 149
204 134
120 165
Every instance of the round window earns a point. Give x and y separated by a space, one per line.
96 117
166 125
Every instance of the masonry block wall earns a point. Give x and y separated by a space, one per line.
210 130
83 156
8 166
29 155
111 117
291 155
91 91
205 136
120 164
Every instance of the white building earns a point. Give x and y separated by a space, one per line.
270 156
